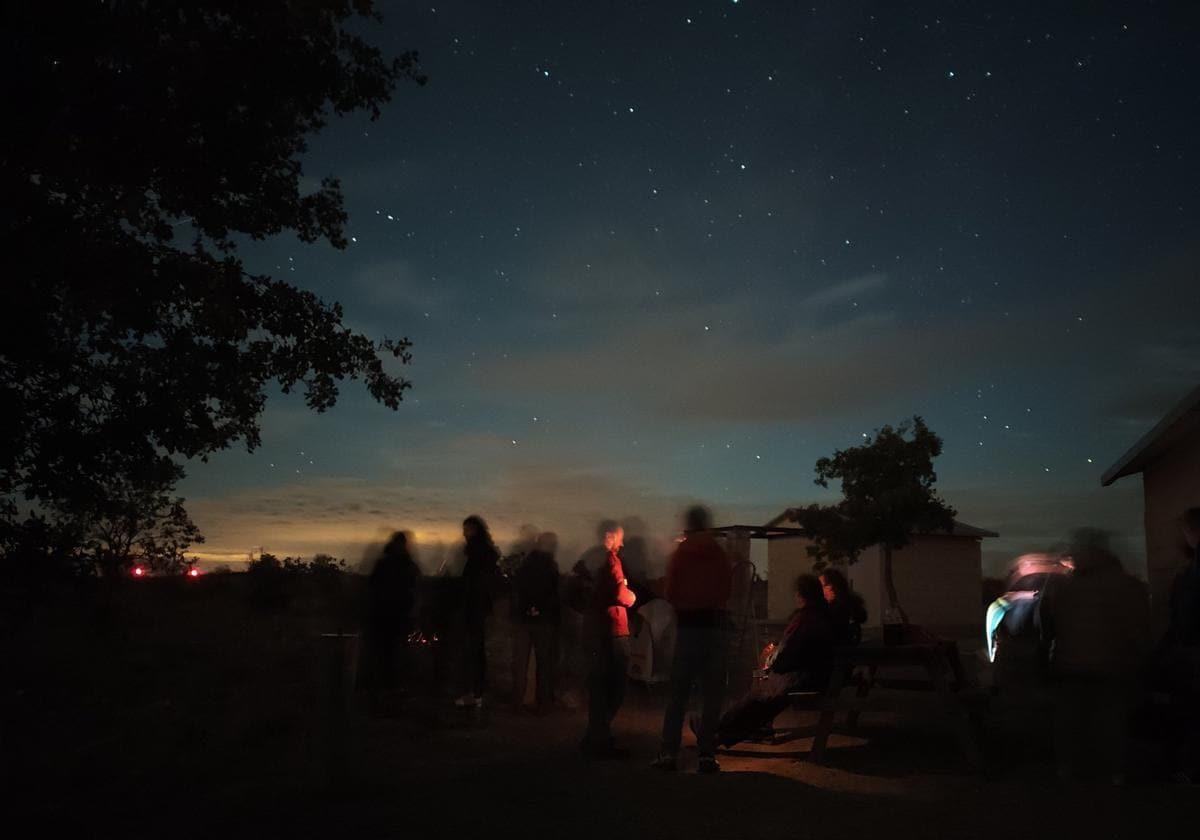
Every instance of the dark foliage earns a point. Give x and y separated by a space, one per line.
147 140
888 495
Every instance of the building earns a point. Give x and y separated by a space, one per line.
1168 459
938 577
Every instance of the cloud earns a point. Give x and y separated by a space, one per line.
717 362
846 292
399 283
484 474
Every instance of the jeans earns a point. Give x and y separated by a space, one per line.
540 639
607 667
757 710
476 656
699 659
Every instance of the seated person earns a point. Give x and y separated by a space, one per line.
847 611
803 660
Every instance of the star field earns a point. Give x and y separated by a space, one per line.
658 252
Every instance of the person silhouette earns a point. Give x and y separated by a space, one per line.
478 576
699 583
606 639
536 615
390 596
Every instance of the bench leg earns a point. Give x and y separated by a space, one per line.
828 710
864 686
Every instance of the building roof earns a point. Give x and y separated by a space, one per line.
960 529
1180 421
756 532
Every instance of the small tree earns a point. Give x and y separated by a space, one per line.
137 519
887 496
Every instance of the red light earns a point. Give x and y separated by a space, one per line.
138 571
193 573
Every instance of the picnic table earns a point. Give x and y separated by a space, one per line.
944 681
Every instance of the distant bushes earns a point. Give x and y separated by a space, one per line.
274 583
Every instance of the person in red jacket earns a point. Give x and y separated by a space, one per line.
606 635
699 580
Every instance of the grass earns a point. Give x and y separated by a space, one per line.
186 710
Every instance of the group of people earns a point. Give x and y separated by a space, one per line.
1077 616
598 593
1081 620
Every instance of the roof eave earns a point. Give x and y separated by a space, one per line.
1139 456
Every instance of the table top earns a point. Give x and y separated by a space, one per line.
870 652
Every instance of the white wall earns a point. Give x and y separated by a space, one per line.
938 580
787 559
1172 485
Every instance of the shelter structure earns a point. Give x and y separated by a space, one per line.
938 576
1168 459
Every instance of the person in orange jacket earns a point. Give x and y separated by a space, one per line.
606 633
699 583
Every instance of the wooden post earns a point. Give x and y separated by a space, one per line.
741 659
340 651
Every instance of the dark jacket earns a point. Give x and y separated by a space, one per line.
1097 622
390 591
535 590
478 576
806 649
1183 629
847 615
699 581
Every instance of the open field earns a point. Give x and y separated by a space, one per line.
185 711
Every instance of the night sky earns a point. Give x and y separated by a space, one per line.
655 252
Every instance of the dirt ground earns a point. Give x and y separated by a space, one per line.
196 716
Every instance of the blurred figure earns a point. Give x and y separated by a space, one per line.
847 610
1014 613
478 576
635 555
699 582
577 595
1011 631
1097 623
606 638
1178 656
526 541
536 617
390 595
803 660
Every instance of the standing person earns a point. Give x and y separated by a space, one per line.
536 617
847 611
699 582
1179 653
390 595
606 637
578 591
478 575
1097 623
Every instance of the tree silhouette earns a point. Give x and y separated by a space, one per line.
887 496
137 520
147 140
